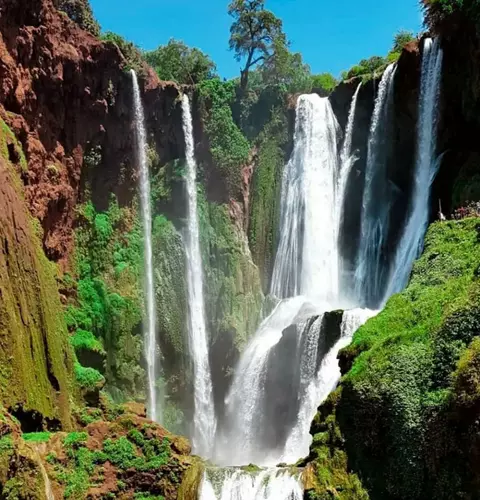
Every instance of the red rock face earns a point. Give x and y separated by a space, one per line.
62 92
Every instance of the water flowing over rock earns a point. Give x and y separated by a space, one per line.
426 167
150 339
240 441
204 418
372 267
318 381
307 251
237 484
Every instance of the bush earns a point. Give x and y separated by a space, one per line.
230 149
179 63
81 13
439 11
324 81
130 52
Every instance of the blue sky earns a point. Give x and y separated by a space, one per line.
332 35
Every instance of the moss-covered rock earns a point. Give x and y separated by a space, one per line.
266 186
406 409
35 357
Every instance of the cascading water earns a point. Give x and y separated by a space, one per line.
426 167
237 484
347 161
319 382
150 325
307 250
306 268
240 443
371 270
347 156
204 417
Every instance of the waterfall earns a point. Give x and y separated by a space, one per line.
149 333
204 416
347 157
319 382
426 167
307 251
240 443
347 161
371 269
237 484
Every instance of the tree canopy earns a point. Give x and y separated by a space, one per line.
255 34
180 63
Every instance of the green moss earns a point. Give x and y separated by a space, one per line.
170 286
30 315
37 437
233 291
83 339
264 211
401 401
107 314
88 378
8 137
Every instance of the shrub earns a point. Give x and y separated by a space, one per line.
81 13
230 149
132 54
88 378
180 63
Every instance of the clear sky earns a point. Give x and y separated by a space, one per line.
332 35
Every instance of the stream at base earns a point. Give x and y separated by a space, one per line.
262 484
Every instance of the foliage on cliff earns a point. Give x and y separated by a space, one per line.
106 314
116 453
81 13
406 408
177 62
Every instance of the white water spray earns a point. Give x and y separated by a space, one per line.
307 252
426 167
236 484
204 417
371 272
149 333
240 444
320 382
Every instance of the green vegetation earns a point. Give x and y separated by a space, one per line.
105 316
438 11
229 147
255 34
264 212
132 54
233 292
179 63
374 66
37 437
405 400
88 378
324 81
80 12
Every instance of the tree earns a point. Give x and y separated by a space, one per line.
81 13
401 39
324 81
180 63
286 69
254 34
